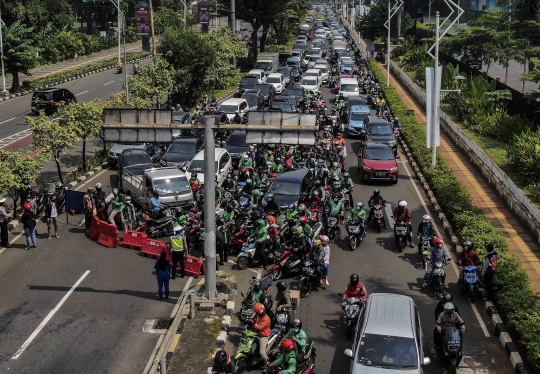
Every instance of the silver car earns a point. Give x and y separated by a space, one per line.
117 148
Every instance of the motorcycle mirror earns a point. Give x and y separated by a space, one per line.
340 294
241 293
384 202
348 353
426 361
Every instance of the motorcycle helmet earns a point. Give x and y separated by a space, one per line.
248 182
255 193
376 192
315 193
287 345
193 210
426 218
354 279
467 245
288 154
245 157
155 193
360 205
282 286
115 191
402 203
324 239
438 241
260 169
318 183
220 359
446 296
271 220
58 185
127 199
336 197
270 197
297 323
449 308
256 286
336 184
177 229
261 223
334 165
98 186
229 176
278 160
259 309
317 243
219 221
336 178
346 175
299 231
251 148
291 206
193 175
27 207
302 208
304 220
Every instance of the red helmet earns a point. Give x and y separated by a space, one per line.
439 241
288 154
287 345
27 207
193 210
304 220
259 309
271 219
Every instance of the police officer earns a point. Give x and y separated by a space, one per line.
178 246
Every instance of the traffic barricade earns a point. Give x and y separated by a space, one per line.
93 233
193 266
134 239
152 248
108 235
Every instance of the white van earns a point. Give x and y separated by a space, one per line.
348 87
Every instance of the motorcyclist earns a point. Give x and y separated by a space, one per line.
269 156
446 297
229 184
436 254
467 257
448 318
318 187
261 236
255 295
346 182
260 178
245 162
291 212
262 325
255 197
299 244
248 188
228 215
276 166
315 201
354 289
289 163
335 170
288 359
99 196
283 300
194 180
302 210
179 219
375 199
299 337
223 364
425 230
358 214
271 205
402 214
335 208
304 224
155 204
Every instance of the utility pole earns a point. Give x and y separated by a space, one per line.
152 29
435 109
388 48
4 91
119 28
210 291
233 17
125 60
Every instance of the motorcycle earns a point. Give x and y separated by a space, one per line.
249 257
246 311
424 247
351 314
305 366
401 233
154 227
471 281
287 263
451 348
246 355
310 278
237 241
377 220
345 191
314 213
438 275
332 227
356 234
244 202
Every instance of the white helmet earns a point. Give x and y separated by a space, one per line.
403 203
177 229
426 218
245 157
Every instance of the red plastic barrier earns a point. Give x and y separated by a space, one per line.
153 248
93 233
134 239
194 266
108 235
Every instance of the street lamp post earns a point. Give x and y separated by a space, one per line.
4 91
391 12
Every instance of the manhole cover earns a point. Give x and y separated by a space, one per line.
163 323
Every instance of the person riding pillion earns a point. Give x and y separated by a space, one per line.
298 336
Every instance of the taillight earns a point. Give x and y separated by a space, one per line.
51 102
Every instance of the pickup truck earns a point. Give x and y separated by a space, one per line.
267 61
171 183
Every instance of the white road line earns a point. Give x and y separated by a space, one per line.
473 306
89 180
7 120
82 93
48 318
15 137
388 209
184 290
108 83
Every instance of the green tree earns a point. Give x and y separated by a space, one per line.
117 100
19 51
371 25
253 12
85 118
39 13
51 138
229 48
152 80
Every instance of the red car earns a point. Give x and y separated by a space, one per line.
378 162
341 76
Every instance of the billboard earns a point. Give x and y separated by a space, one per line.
204 12
142 19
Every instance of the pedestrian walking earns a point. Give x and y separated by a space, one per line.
4 216
222 238
488 271
88 205
32 200
51 212
29 225
129 215
178 246
163 272
117 206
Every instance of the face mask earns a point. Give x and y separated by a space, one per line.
296 330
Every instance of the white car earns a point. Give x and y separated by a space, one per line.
310 83
314 73
233 106
323 68
312 59
259 74
223 163
276 80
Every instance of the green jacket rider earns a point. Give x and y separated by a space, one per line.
357 215
287 360
346 181
335 171
178 219
228 214
291 212
306 227
300 335
335 208
269 157
276 168
261 234
245 162
260 178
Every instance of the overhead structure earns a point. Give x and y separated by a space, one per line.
391 13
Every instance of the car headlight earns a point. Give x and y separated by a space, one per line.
365 168
393 170
392 143
111 154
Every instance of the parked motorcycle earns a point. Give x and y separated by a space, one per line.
356 234
471 281
401 233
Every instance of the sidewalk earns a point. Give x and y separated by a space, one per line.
484 196
78 62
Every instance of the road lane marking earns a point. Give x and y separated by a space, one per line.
388 209
7 120
184 290
108 83
473 306
89 180
15 137
48 318
82 93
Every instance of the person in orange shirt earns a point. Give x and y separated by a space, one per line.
262 326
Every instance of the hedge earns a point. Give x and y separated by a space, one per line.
32 84
514 294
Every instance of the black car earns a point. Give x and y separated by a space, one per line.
180 151
135 160
284 105
268 91
49 99
288 187
287 72
380 132
247 83
293 100
220 117
298 92
236 145
255 99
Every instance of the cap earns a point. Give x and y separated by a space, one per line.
3 200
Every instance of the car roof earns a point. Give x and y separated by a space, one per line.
256 71
161 173
274 74
234 100
251 92
389 314
287 68
292 176
185 140
312 71
51 90
361 108
317 66
133 151
200 155
349 81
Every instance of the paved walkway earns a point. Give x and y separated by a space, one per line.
483 195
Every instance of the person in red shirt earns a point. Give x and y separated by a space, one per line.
467 257
354 289
403 214
262 326
338 140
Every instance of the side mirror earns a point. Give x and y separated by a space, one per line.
221 171
348 353
426 361
241 293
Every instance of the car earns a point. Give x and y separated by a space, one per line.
380 131
314 73
283 56
349 87
287 72
294 63
232 106
288 187
301 38
293 100
312 59
181 151
134 159
257 73
255 99
313 51
223 163
268 91
116 151
48 100
355 119
346 67
247 83
338 81
388 326
236 146
323 68
355 100
283 105
310 83
296 91
276 79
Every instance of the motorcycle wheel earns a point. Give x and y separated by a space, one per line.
276 274
242 263
305 288
378 225
350 331
241 365
401 244
353 241
452 369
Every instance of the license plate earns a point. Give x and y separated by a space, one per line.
401 230
438 272
380 174
354 229
307 270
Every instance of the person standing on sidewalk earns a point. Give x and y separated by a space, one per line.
28 220
4 216
52 216
178 243
222 238
88 206
163 272
488 271
129 214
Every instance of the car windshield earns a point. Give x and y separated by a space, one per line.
237 140
379 154
380 130
358 116
286 107
184 148
285 188
173 185
348 63
227 108
136 159
251 99
309 82
349 87
43 96
197 166
263 88
250 81
321 68
293 91
264 65
292 62
273 80
387 351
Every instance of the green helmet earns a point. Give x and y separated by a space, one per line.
315 193
255 193
261 222
271 146
115 191
127 198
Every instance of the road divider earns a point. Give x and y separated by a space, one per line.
108 235
134 239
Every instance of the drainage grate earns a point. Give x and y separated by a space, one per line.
163 323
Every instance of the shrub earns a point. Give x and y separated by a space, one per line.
524 155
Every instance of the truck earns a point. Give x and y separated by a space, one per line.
171 183
339 46
267 61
